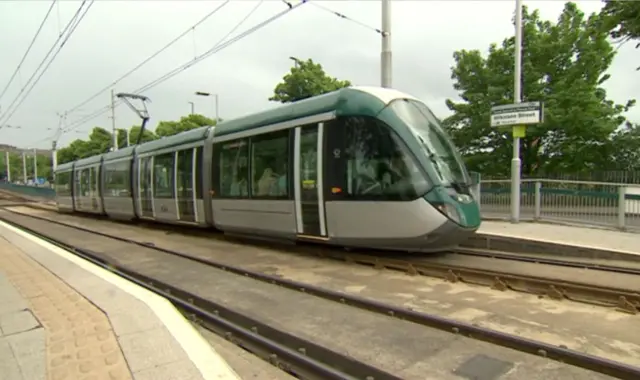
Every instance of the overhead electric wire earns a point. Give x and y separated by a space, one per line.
72 25
171 43
345 17
220 45
26 53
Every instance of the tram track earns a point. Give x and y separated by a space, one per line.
623 299
296 356
244 331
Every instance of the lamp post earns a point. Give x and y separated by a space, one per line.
517 98
216 102
296 61
193 108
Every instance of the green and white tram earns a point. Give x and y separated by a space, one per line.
362 166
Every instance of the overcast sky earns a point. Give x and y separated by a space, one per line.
117 35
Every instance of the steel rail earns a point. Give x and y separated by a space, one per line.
530 346
624 300
529 258
292 354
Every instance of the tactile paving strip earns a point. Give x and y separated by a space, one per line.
80 341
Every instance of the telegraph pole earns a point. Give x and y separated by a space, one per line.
35 166
54 144
385 54
113 121
517 98
6 157
24 167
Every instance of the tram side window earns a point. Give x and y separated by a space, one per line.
63 182
376 163
199 166
233 169
77 183
163 175
185 173
93 181
270 165
84 182
117 179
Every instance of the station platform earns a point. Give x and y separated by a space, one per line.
585 241
64 318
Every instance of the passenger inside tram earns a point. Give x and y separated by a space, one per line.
239 186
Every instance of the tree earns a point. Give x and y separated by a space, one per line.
186 123
305 80
624 148
563 66
100 140
621 19
17 171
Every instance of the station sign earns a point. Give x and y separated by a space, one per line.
517 114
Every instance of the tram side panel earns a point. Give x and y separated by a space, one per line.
64 190
88 195
251 191
117 196
201 172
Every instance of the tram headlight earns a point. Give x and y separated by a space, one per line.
450 211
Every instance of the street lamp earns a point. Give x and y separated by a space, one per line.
295 60
215 96
193 108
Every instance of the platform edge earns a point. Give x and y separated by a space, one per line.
204 357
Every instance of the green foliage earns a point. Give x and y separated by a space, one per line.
15 165
186 123
621 19
100 140
564 66
305 80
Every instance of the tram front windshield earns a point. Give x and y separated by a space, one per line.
440 150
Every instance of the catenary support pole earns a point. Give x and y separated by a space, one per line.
113 121
385 53
517 98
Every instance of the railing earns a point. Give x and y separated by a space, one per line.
45 192
604 204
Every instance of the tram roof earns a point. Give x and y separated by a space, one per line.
65 166
364 101
120 153
89 160
182 138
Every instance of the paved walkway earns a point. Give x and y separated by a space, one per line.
106 329
570 235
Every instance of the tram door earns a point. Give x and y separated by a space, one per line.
186 204
308 190
94 185
146 189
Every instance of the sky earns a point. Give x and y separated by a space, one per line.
115 36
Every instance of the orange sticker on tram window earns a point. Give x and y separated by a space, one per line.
336 190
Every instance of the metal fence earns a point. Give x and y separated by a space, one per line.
607 204
45 192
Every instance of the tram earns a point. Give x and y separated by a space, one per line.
360 167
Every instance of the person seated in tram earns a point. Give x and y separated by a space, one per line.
239 185
266 181
281 187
